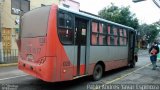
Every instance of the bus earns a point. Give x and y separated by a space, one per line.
59 44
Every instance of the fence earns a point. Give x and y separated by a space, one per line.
8 56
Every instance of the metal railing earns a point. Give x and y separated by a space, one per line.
8 56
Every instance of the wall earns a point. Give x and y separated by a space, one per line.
35 4
8 20
8 25
71 4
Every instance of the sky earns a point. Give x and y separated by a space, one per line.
146 11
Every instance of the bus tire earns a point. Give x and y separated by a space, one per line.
132 64
97 72
136 58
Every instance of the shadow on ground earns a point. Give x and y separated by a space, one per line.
77 84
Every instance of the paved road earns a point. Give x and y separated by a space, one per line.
141 74
8 72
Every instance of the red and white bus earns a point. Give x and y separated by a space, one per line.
59 44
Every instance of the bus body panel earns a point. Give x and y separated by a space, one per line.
108 53
82 60
64 67
33 48
113 57
114 64
109 65
44 64
52 43
71 52
43 71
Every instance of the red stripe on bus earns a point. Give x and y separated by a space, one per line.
82 69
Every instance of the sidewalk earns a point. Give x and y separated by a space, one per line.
8 64
143 52
10 71
143 76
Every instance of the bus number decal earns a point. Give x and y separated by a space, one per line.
66 63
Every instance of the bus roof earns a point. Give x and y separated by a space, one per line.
93 17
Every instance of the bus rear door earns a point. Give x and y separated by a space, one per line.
80 45
131 48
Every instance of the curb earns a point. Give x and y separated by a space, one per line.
7 65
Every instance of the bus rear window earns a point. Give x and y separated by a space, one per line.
35 22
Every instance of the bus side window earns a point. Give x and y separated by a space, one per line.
110 35
102 34
125 37
121 37
115 31
65 28
94 38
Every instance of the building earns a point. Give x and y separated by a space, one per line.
8 25
71 4
39 3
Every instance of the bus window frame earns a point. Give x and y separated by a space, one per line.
60 27
126 37
91 32
111 34
103 34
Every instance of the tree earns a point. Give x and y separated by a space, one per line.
157 24
152 33
149 32
119 15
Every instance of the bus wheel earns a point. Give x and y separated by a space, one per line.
132 64
98 72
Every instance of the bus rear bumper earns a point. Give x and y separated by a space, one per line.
45 71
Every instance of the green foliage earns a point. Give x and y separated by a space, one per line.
152 33
149 32
119 15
